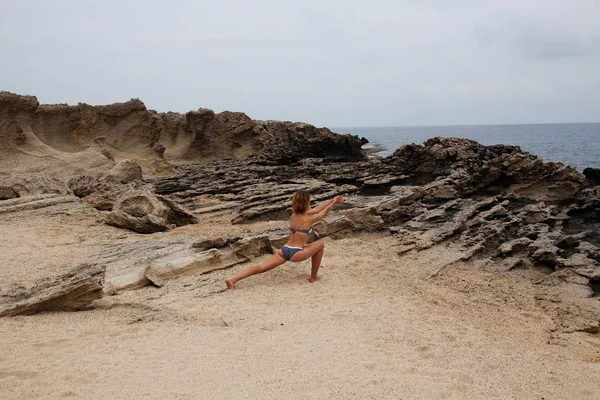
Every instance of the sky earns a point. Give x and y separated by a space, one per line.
336 63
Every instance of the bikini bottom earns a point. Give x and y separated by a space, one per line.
288 252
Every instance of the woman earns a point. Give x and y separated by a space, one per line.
295 249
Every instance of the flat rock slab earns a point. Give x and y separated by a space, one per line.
70 292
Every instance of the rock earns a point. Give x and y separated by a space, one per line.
101 192
333 224
7 193
210 243
143 212
41 185
126 171
70 292
252 247
159 148
577 260
365 217
592 175
34 202
514 245
163 269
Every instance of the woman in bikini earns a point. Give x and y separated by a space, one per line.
295 249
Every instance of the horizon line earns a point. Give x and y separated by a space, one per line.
459 125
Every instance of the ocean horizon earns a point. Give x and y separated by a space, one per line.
575 144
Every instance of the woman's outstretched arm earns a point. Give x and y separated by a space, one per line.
328 206
320 207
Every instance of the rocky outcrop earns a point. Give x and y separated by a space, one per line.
499 206
132 203
71 292
495 202
58 133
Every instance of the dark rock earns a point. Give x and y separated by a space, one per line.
592 175
7 193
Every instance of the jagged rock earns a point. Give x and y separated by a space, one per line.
176 214
7 193
72 291
252 247
497 211
141 211
101 192
514 245
126 171
577 260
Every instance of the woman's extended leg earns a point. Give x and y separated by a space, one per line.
273 261
315 252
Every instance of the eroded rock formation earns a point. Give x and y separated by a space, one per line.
496 204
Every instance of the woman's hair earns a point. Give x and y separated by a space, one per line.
300 202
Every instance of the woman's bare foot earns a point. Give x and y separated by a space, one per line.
230 284
311 279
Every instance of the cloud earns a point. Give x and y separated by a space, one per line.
541 42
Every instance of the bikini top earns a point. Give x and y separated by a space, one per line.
306 231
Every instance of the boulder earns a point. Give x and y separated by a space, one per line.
101 192
143 212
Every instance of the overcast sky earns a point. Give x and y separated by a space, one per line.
327 62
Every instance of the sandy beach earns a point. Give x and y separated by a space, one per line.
377 326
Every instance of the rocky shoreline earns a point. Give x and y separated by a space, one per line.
146 172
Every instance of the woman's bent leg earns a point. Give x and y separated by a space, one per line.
273 261
315 252
316 263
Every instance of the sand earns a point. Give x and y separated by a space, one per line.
377 325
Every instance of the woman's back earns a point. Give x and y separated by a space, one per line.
299 227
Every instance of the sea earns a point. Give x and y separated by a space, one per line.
577 145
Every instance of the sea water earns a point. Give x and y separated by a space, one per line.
577 145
